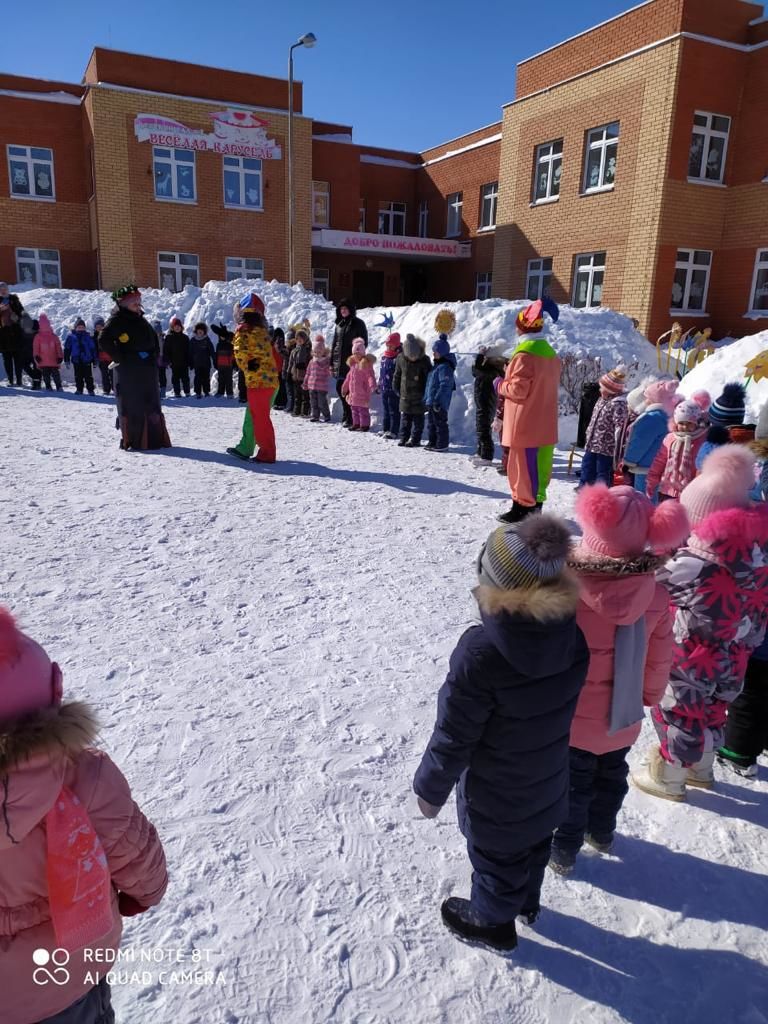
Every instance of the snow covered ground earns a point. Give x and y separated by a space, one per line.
264 649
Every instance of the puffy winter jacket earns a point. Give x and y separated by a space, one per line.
318 375
51 750
130 339
504 717
485 369
410 378
531 388
645 438
176 351
79 348
225 354
252 345
46 348
347 329
387 373
675 464
298 361
202 353
607 423
360 382
441 383
620 594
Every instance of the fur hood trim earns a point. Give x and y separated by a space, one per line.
70 728
760 449
547 602
367 358
642 565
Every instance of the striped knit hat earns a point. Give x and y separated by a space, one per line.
525 554
613 381
730 407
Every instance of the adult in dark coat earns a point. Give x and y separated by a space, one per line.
11 336
29 329
503 726
176 353
132 342
348 327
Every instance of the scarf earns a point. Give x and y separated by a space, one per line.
680 466
79 882
628 673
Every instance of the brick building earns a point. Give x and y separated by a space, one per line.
634 169
631 169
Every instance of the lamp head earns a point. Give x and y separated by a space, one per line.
308 40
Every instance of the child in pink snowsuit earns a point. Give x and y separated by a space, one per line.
675 464
76 853
359 385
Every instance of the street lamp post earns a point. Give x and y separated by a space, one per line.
307 40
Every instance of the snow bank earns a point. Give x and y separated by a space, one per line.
598 333
726 365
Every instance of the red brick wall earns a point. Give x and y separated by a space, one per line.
339 164
18 83
158 75
721 19
61 225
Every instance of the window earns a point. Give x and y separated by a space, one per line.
483 285
321 281
38 266
30 172
391 218
489 197
759 301
709 142
177 270
549 167
242 183
240 266
174 174
689 289
588 279
453 223
361 224
424 219
600 163
538 278
321 204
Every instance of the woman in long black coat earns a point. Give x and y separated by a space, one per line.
132 342
348 327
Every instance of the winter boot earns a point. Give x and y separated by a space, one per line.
561 861
516 514
459 917
702 774
238 454
603 844
738 765
661 778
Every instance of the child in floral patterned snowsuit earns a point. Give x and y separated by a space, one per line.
718 585
608 420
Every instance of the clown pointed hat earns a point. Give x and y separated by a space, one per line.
532 317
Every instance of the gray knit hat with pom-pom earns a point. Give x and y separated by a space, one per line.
525 554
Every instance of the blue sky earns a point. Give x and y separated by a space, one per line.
407 74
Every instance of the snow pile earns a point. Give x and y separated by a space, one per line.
599 334
726 365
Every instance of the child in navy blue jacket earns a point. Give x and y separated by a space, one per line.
503 727
80 351
441 384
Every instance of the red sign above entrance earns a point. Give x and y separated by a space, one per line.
390 245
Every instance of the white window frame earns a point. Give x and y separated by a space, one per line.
363 215
454 211
321 190
483 284
424 219
249 273
27 159
175 163
38 261
545 154
321 281
591 269
536 273
708 133
177 266
761 264
489 194
388 212
241 170
688 264
598 138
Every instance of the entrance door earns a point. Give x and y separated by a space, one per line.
413 283
368 288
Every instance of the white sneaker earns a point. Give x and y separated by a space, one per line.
748 771
660 778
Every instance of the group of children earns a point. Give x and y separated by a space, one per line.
661 605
